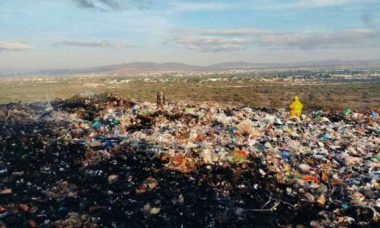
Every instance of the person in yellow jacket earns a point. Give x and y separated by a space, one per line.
295 108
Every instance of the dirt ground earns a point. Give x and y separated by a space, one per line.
327 95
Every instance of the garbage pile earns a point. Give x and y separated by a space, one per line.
108 161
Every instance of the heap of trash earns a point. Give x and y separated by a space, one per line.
109 161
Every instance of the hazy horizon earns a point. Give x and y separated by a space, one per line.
72 34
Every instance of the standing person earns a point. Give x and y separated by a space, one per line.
295 108
160 100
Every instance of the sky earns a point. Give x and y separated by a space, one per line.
48 34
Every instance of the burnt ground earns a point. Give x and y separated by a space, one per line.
36 168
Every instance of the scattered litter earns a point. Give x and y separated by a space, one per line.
108 161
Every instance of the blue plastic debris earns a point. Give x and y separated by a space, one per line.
324 136
107 144
3 170
261 147
285 154
231 129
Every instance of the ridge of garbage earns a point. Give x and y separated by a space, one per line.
109 161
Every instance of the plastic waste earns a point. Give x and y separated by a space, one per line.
104 157
3 212
374 114
310 179
245 127
96 125
3 169
346 111
240 156
285 154
317 114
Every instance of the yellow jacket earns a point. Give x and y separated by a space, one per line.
295 108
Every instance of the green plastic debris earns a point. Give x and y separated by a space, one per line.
101 138
147 113
318 113
346 111
189 110
377 156
115 121
96 124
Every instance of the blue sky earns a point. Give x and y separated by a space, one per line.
43 34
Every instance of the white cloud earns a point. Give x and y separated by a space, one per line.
113 5
93 44
233 32
198 6
207 44
310 4
306 41
13 46
215 40
326 3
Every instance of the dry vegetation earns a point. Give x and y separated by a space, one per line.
244 91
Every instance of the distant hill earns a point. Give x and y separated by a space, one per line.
149 66
239 65
123 68
138 67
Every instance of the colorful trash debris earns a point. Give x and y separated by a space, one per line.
104 161
240 156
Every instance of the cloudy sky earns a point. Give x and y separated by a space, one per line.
43 34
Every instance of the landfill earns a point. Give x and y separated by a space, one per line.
107 161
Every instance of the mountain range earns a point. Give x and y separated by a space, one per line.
138 67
